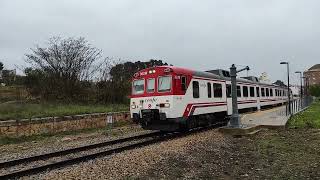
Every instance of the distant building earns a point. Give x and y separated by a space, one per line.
313 75
264 78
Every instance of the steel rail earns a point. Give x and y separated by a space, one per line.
63 163
74 150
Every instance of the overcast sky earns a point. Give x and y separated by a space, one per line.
202 34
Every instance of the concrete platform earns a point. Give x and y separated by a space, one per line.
242 131
274 118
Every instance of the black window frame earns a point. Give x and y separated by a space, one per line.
217 90
239 93
209 89
228 90
271 92
183 83
245 91
196 93
263 94
258 91
267 92
251 88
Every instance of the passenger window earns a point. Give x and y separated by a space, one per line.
262 92
251 91
245 91
150 85
195 87
258 91
267 92
183 83
217 90
228 90
209 90
271 92
239 91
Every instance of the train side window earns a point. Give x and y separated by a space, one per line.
258 91
239 91
245 91
228 90
251 91
183 83
209 90
217 90
271 92
195 87
267 92
263 92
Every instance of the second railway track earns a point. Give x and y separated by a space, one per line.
39 163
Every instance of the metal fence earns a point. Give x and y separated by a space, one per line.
297 104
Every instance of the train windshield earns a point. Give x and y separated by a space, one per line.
164 83
138 86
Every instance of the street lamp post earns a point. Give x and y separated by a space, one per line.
299 72
235 120
287 63
301 94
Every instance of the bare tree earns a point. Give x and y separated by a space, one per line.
66 63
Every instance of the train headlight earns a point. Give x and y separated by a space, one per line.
164 105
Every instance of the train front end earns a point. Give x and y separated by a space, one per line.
152 98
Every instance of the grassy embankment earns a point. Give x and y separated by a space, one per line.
310 118
31 110
293 153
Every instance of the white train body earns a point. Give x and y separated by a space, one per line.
168 97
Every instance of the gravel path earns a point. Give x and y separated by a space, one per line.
138 162
51 144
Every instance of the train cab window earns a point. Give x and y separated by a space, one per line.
258 91
217 90
271 92
245 91
267 92
251 91
228 90
195 87
183 83
263 94
209 90
239 91
150 85
138 86
164 83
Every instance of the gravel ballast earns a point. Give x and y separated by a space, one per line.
134 163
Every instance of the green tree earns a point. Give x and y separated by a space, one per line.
1 66
118 87
315 90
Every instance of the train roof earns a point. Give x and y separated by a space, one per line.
208 74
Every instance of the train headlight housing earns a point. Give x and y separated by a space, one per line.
164 105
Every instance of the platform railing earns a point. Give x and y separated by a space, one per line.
298 104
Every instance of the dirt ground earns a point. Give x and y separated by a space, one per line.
270 154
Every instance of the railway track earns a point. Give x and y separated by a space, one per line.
43 162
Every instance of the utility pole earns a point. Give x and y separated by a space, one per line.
235 120
288 74
301 89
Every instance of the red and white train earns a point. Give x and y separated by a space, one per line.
171 98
